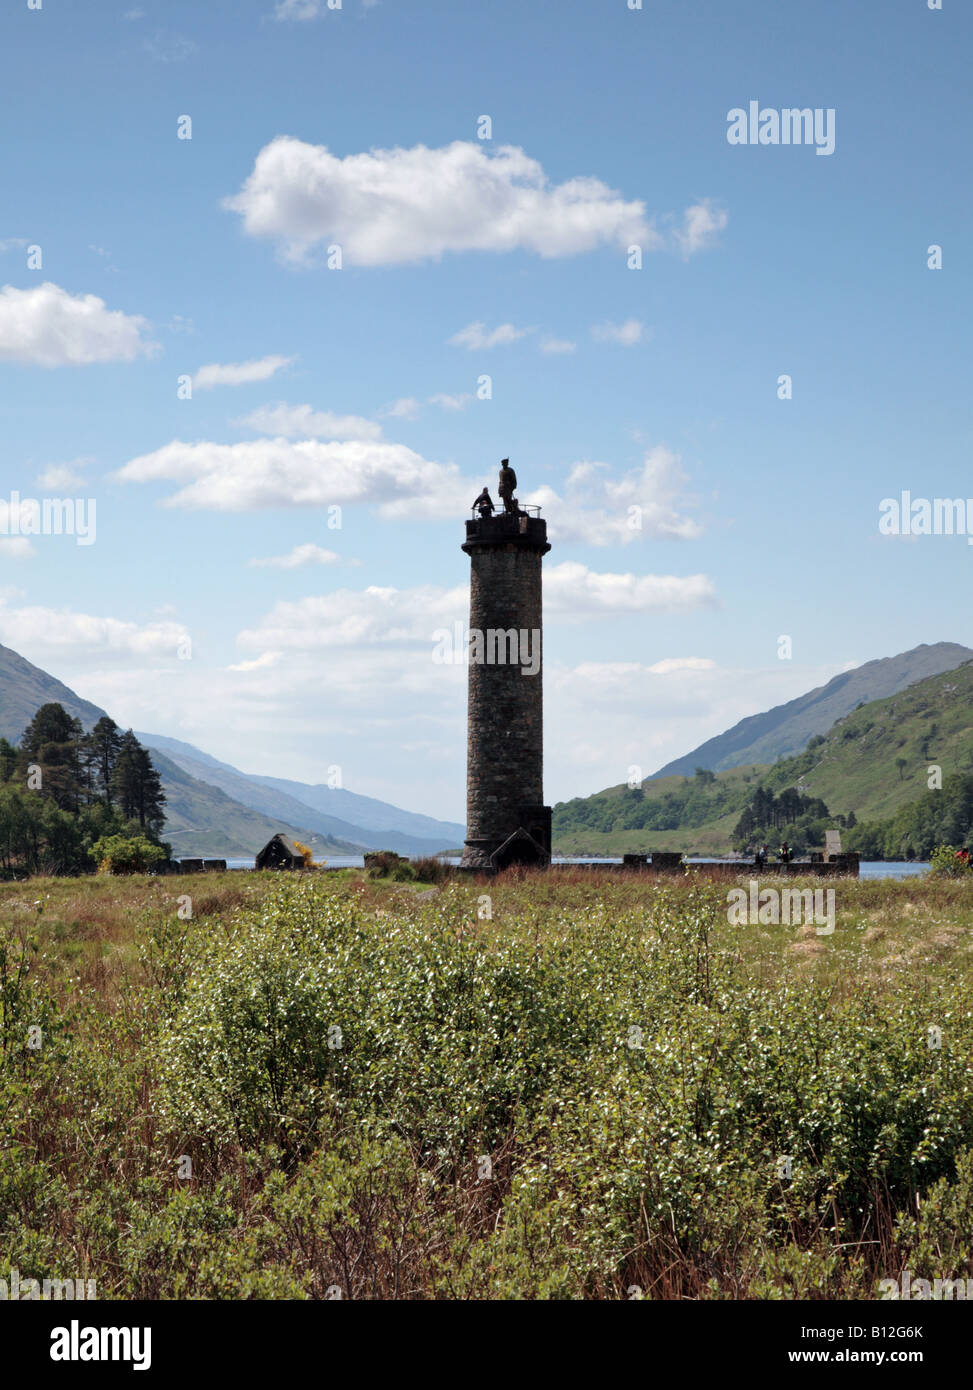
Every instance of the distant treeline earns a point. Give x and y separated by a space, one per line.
65 795
765 817
697 801
789 815
937 817
941 817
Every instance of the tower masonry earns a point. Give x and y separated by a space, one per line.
506 819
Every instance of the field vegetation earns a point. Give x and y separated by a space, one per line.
571 1085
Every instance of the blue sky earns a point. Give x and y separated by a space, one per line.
611 387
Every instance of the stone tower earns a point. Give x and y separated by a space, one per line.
506 819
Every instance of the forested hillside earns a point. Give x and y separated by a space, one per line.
891 773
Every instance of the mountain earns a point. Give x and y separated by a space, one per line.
785 730
875 761
878 758
362 820
24 688
202 819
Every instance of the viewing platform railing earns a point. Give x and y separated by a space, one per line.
524 528
523 509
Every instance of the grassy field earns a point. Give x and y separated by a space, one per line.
573 1085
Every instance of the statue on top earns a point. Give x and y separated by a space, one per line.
507 486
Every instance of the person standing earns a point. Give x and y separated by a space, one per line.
483 506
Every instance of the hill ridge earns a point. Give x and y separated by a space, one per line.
785 729
202 819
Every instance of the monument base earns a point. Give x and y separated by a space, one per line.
528 844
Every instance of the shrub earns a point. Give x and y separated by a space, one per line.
127 854
591 1090
948 862
385 863
431 870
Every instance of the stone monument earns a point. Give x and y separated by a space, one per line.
506 819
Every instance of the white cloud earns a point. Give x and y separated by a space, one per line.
381 616
457 402
308 554
15 548
298 9
671 664
405 408
239 373
627 334
558 345
302 422
49 630
259 663
379 712
307 473
597 508
395 207
13 243
62 477
573 590
360 617
702 224
475 336
349 677
169 48
604 717
47 327
382 708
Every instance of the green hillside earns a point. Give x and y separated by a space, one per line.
877 759
784 731
694 814
869 766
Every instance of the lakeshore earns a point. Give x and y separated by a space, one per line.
871 869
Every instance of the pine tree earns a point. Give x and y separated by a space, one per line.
137 786
52 742
8 760
100 753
